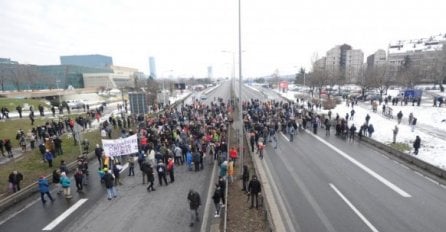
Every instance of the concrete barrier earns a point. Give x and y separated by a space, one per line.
406 157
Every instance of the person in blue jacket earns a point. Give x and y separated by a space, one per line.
44 189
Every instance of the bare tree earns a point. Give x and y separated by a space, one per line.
408 73
380 78
437 69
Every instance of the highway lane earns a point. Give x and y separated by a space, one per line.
133 210
324 191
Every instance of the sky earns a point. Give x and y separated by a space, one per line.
186 37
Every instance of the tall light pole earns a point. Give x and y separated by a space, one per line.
240 81
58 91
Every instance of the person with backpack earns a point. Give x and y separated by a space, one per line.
194 203
161 169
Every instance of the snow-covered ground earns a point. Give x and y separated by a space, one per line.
430 127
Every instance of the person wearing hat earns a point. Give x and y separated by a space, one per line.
254 189
44 189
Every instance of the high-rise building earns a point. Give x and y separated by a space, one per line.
376 59
353 64
152 67
344 61
93 61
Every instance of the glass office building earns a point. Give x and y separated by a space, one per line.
94 61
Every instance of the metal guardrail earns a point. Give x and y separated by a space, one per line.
31 189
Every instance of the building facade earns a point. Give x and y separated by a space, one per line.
377 59
354 61
93 61
342 61
423 53
7 61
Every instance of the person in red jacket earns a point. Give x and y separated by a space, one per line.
233 154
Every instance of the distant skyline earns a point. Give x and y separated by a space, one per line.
186 37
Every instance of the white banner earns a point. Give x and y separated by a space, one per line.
118 147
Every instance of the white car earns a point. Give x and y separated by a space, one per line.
203 97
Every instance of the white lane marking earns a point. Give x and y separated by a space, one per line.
306 193
367 222
404 166
65 214
419 174
18 212
443 186
431 180
284 136
366 169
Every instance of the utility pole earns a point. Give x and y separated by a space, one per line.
240 83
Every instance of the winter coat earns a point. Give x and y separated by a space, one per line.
56 177
108 180
43 185
65 181
48 155
217 196
194 200
150 175
254 186
417 143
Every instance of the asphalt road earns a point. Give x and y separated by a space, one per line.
134 209
330 184
326 184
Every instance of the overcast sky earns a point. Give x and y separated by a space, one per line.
187 36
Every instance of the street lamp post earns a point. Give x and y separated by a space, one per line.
58 91
240 83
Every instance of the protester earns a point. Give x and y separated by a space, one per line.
14 181
108 180
416 145
254 189
395 133
194 203
216 198
44 189
65 182
49 158
170 169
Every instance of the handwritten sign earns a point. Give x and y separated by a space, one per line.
118 147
